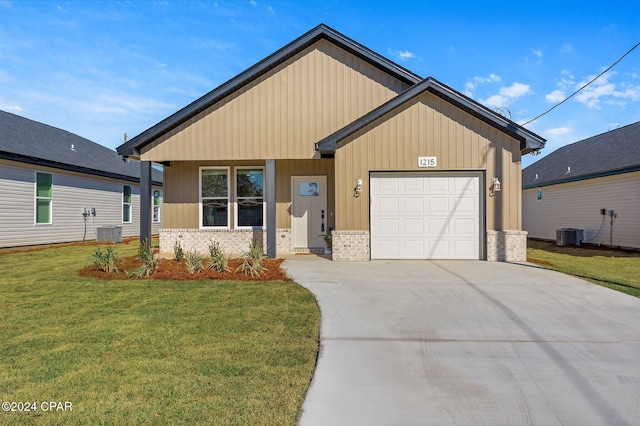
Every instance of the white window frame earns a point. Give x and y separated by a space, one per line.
235 197
159 206
130 204
229 197
36 198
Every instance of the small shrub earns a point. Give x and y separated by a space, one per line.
218 259
106 259
178 252
193 261
252 260
149 261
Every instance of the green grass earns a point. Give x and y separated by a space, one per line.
150 351
615 269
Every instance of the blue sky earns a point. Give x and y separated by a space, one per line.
103 68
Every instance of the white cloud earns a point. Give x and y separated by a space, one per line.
16 108
475 81
555 96
254 3
538 53
515 90
566 48
506 95
558 131
496 101
401 55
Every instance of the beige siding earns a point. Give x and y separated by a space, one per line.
428 126
71 192
181 202
578 204
284 112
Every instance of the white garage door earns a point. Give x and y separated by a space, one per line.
425 216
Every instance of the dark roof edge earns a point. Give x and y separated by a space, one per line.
132 146
529 141
584 177
69 167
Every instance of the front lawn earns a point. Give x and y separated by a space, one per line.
615 269
150 351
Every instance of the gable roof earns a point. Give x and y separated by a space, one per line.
529 141
132 147
28 141
613 152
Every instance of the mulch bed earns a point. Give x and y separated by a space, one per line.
170 269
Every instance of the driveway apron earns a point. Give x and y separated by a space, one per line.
469 343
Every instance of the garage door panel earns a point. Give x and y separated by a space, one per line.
438 205
413 205
412 227
425 217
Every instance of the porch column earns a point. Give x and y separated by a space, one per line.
270 194
145 200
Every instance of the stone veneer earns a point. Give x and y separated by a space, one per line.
233 241
507 246
350 245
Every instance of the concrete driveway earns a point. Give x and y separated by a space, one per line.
469 343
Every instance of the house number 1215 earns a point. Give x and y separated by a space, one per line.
427 162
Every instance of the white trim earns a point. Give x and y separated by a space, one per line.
35 199
228 170
235 197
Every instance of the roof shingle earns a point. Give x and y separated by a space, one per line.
613 152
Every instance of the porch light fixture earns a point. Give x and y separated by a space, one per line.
358 189
495 186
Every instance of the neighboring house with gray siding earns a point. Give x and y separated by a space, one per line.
571 186
48 176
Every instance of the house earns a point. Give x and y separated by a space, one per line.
593 185
326 134
59 187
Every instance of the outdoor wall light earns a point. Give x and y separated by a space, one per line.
495 184
358 189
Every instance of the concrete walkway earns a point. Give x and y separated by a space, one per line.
469 343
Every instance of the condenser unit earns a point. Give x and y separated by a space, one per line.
109 233
569 237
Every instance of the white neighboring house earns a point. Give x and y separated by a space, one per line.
571 187
48 176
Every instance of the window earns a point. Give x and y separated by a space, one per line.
44 196
539 195
214 197
156 206
250 197
126 204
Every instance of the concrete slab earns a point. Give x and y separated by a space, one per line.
465 342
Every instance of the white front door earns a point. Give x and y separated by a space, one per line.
309 211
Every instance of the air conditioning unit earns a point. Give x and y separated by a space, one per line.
569 237
109 233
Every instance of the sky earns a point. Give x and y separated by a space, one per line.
101 69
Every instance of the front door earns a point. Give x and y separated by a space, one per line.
309 211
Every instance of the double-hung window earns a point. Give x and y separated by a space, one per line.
214 197
250 197
44 198
156 206
126 204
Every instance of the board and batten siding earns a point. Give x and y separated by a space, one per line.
281 114
71 193
577 205
181 198
431 127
